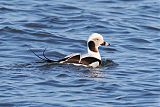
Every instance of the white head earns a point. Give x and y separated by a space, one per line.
96 40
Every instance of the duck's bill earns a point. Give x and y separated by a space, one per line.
105 44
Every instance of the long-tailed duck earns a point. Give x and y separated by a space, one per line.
91 59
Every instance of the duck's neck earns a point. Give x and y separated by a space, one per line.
94 54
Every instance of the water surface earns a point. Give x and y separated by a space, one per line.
131 79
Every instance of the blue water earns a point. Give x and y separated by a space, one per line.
130 79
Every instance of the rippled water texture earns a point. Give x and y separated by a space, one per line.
131 78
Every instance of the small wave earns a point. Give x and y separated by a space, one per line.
139 49
110 50
6 104
157 40
76 21
12 30
4 9
36 25
138 40
62 75
108 63
50 19
49 82
81 80
151 27
68 7
42 34
58 84
145 7
129 0
147 49
106 1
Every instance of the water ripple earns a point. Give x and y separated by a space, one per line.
152 27
11 30
36 25
138 40
5 9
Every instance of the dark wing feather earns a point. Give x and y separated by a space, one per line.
89 60
73 59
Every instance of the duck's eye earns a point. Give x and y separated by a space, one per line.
97 39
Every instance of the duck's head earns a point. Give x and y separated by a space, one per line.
94 41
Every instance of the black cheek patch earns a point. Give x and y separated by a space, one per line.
91 46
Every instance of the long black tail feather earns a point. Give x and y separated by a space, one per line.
45 59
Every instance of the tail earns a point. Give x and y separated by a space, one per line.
44 58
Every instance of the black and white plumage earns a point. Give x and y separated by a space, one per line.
91 59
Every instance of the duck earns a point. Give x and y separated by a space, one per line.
91 59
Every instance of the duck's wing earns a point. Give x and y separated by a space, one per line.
91 61
72 58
